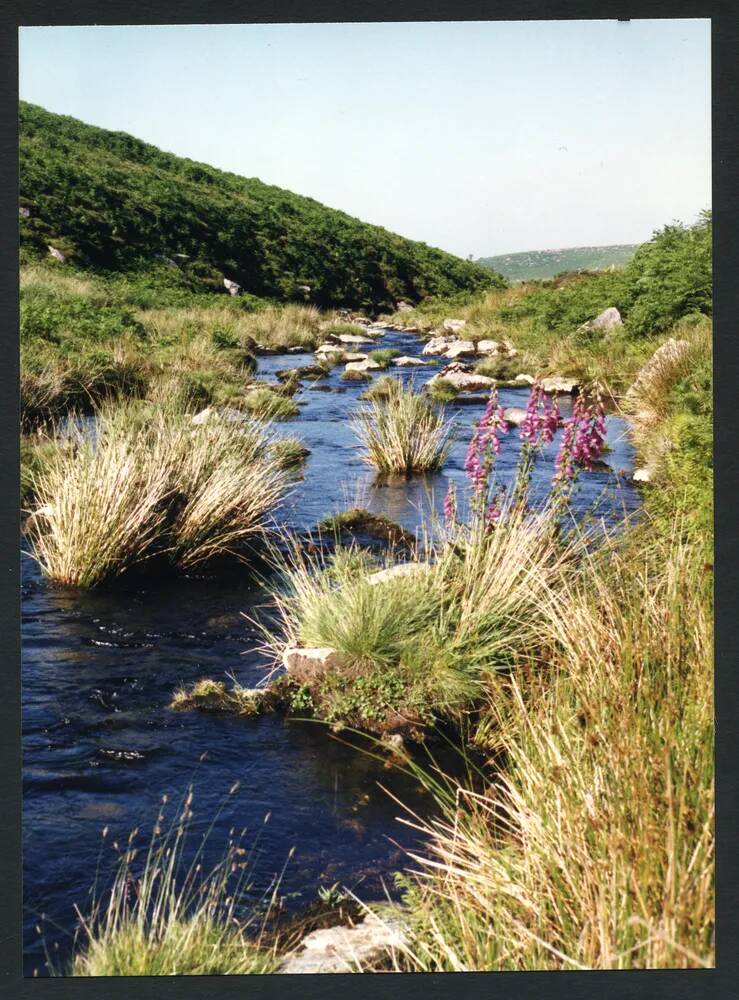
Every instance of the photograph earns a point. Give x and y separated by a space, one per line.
366 497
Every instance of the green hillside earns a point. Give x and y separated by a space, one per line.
548 263
113 203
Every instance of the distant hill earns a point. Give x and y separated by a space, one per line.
112 202
548 263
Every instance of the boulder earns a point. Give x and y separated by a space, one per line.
609 319
25 211
329 349
346 949
557 385
305 664
56 254
232 287
489 347
459 349
454 325
642 476
405 361
525 379
354 356
400 570
515 415
438 345
204 416
403 307
367 365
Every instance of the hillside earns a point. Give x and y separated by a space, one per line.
548 263
111 202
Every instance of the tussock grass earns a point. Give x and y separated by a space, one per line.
594 847
164 916
151 484
421 643
403 433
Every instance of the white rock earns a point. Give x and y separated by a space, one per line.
354 338
363 366
438 345
329 349
56 254
305 664
354 356
488 347
557 384
232 287
609 319
642 476
406 361
515 415
454 325
346 949
400 570
204 416
403 307
524 379
463 380
459 349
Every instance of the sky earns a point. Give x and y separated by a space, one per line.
480 138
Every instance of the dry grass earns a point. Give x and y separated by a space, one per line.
151 483
594 848
402 432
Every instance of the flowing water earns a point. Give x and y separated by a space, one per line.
101 746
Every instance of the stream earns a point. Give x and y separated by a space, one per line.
101 746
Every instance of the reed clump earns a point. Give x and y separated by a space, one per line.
151 484
402 432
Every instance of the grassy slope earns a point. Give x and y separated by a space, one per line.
115 202
533 264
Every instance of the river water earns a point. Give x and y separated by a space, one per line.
101 746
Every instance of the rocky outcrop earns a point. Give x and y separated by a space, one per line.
306 664
346 949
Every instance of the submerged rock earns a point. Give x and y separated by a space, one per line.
346 949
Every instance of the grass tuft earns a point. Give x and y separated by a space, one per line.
403 433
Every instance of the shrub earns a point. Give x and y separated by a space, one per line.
403 433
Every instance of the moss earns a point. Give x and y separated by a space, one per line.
360 521
212 696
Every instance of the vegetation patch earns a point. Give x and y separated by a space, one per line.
361 522
403 433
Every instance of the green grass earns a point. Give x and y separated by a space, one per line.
384 356
403 433
165 915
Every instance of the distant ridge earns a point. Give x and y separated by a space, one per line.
548 263
109 201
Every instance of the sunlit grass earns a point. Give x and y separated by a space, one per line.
403 432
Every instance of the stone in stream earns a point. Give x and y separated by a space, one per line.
462 379
363 366
525 379
329 349
346 949
514 415
406 361
305 664
459 349
354 356
438 345
353 338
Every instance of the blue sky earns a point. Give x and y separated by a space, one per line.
478 137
